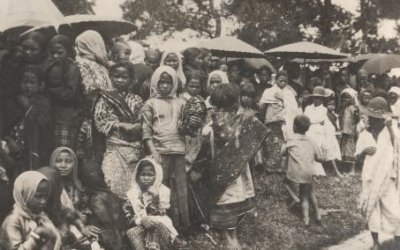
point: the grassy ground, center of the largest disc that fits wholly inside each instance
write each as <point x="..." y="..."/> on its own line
<point x="274" y="226"/>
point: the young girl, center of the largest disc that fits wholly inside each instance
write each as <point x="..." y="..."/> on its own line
<point x="215" y="78"/>
<point x="365" y="96"/>
<point x="163" y="141"/>
<point x="29" y="129"/>
<point x="64" y="89"/>
<point x="28" y="227"/>
<point x="302" y="152"/>
<point x="174" y="60"/>
<point x="146" y="206"/>
<point x="34" y="46"/>
<point x="348" y="119"/>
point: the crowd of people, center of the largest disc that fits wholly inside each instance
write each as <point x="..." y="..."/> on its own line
<point x="106" y="145"/>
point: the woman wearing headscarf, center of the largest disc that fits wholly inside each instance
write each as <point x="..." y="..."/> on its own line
<point x="215" y="78"/>
<point x="28" y="226"/>
<point x="173" y="59"/>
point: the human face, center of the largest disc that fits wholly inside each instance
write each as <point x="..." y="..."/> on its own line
<point x="317" y="100"/>
<point x="64" y="163"/>
<point x="215" y="80"/>
<point x="392" y="98"/>
<point x="30" y="84"/>
<point x="282" y="81"/>
<point x="58" y="52"/>
<point x="362" y="77"/>
<point x="264" y="77"/>
<point x="39" y="201"/>
<point x="234" y="73"/>
<point x="207" y="60"/>
<point x="344" y="77"/>
<point x="246" y="101"/>
<point x="198" y="60"/>
<point x="366" y="98"/>
<point x="165" y="84"/>
<point x="194" y="87"/>
<point x="146" y="177"/>
<point x="331" y="105"/>
<point x="152" y="60"/>
<point x="172" y="60"/>
<point x="346" y="100"/>
<point x="32" y="50"/>
<point x="223" y="67"/>
<point x="121" y="52"/>
<point x="120" y="78"/>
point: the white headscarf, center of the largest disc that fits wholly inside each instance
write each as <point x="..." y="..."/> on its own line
<point x="221" y="74"/>
<point x="154" y="91"/>
<point x="353" y="94"/>
<point x="137" y="54"/>
<point x="395" y="107"/>
<point x="179" y="71"/>
<point x="90" y="45"/>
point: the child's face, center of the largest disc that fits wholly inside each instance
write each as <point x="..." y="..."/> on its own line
<point x="194" y="87"/>
<point x="215" y="80"/>
<point x="392" y="98"/>
<point x="58" y="52"/>
<point x="344" y="77"/>
<point x="121" y="52"/>
<point x="64" y="163"/>
<point x="331" y="105"/>
<point x="165" y="84"/>
<point x="346" y="100"/>
<point x="39" y="201"/>
<point x="223" y="67"/>
<point x="146" y="177"/>
<point x="120" y="78"/>
<point x="207" y="60"/>
<point x="366" y="98"/>
<point x="30" y="84"/>
<point x="264" y="76"/>
<point x="32" y="50"/>
<point x="152" y="60"/>
<point x="282" y="81"/>
<point x="317" y="100"/>
<point x="172" y="60"/>
<point x="246" y="101"/>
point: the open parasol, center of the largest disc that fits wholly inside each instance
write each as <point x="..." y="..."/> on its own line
<point x="255" y="63"/>
<point x="228" y="46"/>
<point x="23" y="14"/>
<point x="73" y="25"/>
<point x="305" y="50"/>
<point x="381" y="63"/>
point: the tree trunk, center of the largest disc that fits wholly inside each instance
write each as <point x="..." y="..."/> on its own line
<point x="217" y="17"/>
<point x="326" y="22"/>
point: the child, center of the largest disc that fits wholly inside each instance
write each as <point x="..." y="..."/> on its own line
<point x="365" y="96"/>
<point x="34" y="46"/>
<point x="120" y="51"/>
<point x="164" y="142"/>
<point x="348" y="119"/>
<point x="215" y="78"/>
<point x="174" y="60"/>
<point x="248" y="99"/>
<point x="302" y="152"/>
<point x="146" y="206"/>
<point x="377" y="147"/>
<point x="322" y="131"/>
<point x="29" y="130"/>
<point x="64" y="89"/>
<point x="28" y="227"/>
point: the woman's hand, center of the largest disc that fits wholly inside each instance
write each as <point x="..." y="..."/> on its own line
<point x="369" y="151"/>
<point x="148" y="223"/>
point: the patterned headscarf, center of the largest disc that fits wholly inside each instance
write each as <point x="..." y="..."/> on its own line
<point x="179" y="71"/>
<point x="90" y="45"/>
<point x="154" y="91"/>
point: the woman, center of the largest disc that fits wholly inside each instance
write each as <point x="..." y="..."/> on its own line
<point x="116" y="116"/>
<point x="280" y="107"/>
<point x="378" y="146"/>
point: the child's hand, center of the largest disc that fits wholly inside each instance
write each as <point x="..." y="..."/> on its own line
<point x="369" y="151"/>
<point x="148" y="223"/>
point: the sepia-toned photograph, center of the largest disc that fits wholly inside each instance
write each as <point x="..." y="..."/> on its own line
<point x="199" y="124"/>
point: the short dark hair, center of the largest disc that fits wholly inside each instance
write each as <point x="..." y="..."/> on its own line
<point x="247" y="89"/>
<point x="302" y="124"/>
<point x="225" y="95"/>
<point x="124" y="64"/>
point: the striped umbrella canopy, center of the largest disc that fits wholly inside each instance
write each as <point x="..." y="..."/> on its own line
<point x="229" y="46"/>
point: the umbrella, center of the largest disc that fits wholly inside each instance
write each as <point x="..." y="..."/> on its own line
<point x="73" y="25"/>
<point x="382" y="63"/>
<point x="305" y="50"/>
<point x="228" y="46"/>
<point x="23" y="14"/>
<point x="255" y="63"/>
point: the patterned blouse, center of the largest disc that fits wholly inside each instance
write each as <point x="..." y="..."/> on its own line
<point x="94" y="76"/>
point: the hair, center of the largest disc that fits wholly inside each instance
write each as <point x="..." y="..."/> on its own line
<point x="127" y="65"/>
<point x="225" y="95"/>
<point x="195" y="74"/>
<point x="302" y="123"/>
<point x="38" y="38"/>
<point x="118" y="42"/>
<point x="34" y="69"/>
<point x="66" y="42"/>
<point x="264" y="68"/>
<point x="248" y="89"/>
<point x="190" y="54"/>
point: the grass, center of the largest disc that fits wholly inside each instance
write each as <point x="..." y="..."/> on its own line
<point x="274" y="226"/>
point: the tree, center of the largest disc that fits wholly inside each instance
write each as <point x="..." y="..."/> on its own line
<point x="70" y="7"/>
<point x="161" y="15"/>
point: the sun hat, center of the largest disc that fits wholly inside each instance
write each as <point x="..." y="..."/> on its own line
<point x="377" y="108"/>
<point x="318" y="91"/>
<point x="329" y="93"/>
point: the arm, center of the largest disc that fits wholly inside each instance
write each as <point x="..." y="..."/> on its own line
<point x="147" y="130"/>
<point x="13" y="235"/>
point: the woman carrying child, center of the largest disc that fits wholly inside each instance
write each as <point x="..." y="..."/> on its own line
<point x="116" y="116"/>
<point x="146" y="208"/>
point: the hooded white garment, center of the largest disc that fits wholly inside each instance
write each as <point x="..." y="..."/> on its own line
<point x="224" y="80"/>
<point x="179" y="71"/>
<point x="141" y="200"/>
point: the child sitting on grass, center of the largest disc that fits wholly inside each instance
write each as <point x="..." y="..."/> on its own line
<point x="302" y="152"/>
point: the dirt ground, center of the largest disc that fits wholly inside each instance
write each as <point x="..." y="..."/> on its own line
<point x="274" y="226"/>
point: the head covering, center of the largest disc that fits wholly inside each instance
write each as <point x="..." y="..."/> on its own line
<point x="138" y="54"/>
<point x="318" y="91"/>
<point x="25" y="187"/>
<point x="74" y="175"/>
<point x="65" y="42"/>
<point x="179" y="71"/>
<point x="395" y="90"/>
<point x="154" y="91"/>
<point x="395" y="107"/>
<point x="90" y="45"/>
<point x="377" y="107"/>
<point x="221" y="74"/>
<point x="352" y="93"/>
<point x="329" y="93"/>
